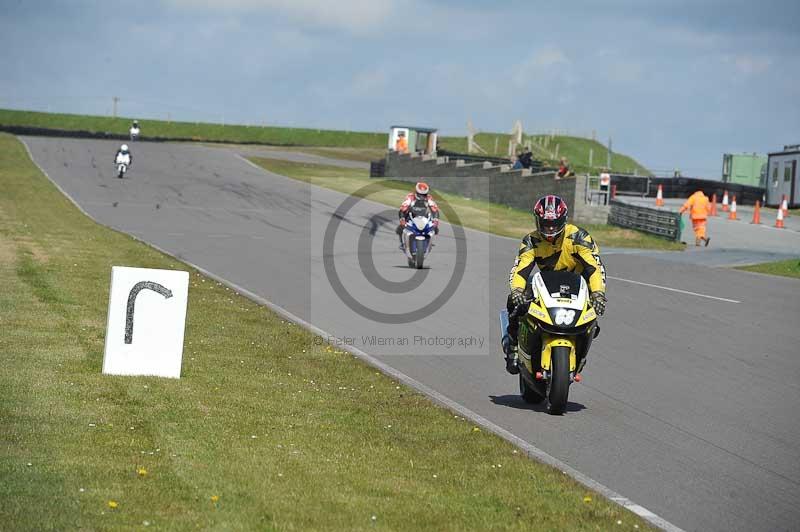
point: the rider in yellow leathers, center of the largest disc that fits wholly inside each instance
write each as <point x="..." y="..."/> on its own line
<point x="554" y="245"/>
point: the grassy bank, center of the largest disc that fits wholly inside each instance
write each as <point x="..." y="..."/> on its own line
<point x="265" y="430"/>
<point x="481" y="215"/>
<point x="281" y="136"/>
<point x="364" y="146"/>
<point x="550" y="149"/>
<point x="785" y="268"/>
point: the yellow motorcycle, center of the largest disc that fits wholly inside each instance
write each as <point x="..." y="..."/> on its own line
<point x="556" y="329"/>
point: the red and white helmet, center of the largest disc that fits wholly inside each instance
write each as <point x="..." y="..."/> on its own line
<point x="422" y="189"/>
<point x="551" y="216"/>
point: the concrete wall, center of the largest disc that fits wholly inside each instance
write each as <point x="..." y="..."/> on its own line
<point x="484" y="181"/>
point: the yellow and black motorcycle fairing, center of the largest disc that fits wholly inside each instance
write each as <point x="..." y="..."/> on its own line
<point x="554" y="337"/>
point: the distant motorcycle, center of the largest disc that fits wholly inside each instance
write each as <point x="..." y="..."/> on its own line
<point x="417" y="234"/>
<point x="556" y="330"/>
<point x="134" y="132"/>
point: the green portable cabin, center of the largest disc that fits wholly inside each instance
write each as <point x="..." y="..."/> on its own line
<point x="744" y="169"/>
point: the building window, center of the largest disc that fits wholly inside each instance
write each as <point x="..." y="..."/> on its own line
<point x="775" y="175"/>
<point x="787" y="173"/>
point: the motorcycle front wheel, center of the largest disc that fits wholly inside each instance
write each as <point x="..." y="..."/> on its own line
<point x="419" y="254"/>
<point x="559" y="380"/>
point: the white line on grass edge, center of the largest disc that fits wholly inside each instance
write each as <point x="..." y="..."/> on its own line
<point x="530" y="450"/>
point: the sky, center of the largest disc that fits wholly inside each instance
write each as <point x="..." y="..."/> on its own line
<point x="675" y="83"/>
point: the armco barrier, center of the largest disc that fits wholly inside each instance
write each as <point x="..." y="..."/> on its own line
<point x="654" y="221"/>
<point x="83" y="134"/>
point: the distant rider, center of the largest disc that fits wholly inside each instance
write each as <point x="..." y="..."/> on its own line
<point x="123" y="156"/>
<point x="134" y="131"/>
<point x="555" y="245"/>
<point x="421" y="193"/>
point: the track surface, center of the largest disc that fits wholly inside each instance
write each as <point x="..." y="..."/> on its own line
<point x="689" y="404"/>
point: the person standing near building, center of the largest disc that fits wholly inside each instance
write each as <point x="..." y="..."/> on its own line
<point x="401" y="145"/>
<point x="698" y="206"/>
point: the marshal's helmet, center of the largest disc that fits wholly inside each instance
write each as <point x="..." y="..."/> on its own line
<point x="551" y="216"/>
<point x="422" y="189"/>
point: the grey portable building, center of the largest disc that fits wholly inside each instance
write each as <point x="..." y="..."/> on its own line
<point x="782" y="178"/>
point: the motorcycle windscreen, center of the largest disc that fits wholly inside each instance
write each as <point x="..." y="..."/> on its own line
<point x="420" y="222"/>
<point x="562" y="284"/>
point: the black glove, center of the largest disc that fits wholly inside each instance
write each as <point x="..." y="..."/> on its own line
<point x="517" y="296"/>
<point x="598" y="302"/>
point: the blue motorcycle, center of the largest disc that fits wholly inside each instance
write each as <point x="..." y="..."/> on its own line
<point x="417" y="234"/>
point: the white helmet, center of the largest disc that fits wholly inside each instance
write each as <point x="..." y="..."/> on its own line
<point x="123" y="148"/>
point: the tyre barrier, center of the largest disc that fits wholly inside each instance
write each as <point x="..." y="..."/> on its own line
<point x="658" y="222"/>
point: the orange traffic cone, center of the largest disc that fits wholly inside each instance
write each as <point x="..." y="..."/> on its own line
<point x="713" y="205"/>
<point x="725" y="201"/>
<point x="732" y="215"/>
<point x="757" y="214"/>
<point x="660" y="197"/>
<point x="779" y="219"/>
<point x="785" y="206"/>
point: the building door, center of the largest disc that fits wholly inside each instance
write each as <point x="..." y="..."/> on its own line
<point x="773" y="194"/>
<point x="786" y="183"/>
<point x="793" y="185"/>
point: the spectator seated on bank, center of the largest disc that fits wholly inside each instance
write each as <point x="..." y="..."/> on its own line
<point x="516" y="164"/>
<point x="526" y="159"/>
<point x="563" y="169"/>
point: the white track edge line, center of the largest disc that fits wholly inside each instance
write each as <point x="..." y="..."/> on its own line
<point x="531" y="450"/>
<point x="674" y="290"/>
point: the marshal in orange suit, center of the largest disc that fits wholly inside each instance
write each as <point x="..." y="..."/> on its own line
<point x="699" y="207"/>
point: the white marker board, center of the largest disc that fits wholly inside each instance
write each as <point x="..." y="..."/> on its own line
<point x="146" y="321"/>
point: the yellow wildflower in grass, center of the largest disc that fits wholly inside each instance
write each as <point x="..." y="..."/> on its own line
<point x="112" y="504"/>
<point x="214" y="498"/>
<point x="587" y="499"/>
<point x="141" y="471"/>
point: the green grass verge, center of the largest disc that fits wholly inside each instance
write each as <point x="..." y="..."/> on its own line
<point x="197" y="130"/>
<point x="785" y="268"/>
<point x="264" y="431"/>
<point x="476" y="214"/>
<point x="551" y="148"/>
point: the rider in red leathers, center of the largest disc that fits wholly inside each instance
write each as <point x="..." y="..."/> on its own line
<point x="421" y="193"/>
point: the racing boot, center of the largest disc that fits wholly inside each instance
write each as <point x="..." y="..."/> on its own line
<point x="510" y="350"/>
<point x="399" y="232"/>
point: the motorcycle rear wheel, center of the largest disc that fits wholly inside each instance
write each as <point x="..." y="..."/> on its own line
<point x="558" y="391"/>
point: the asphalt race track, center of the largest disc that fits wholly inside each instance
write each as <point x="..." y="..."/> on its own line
<point x="690" y="400"/>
